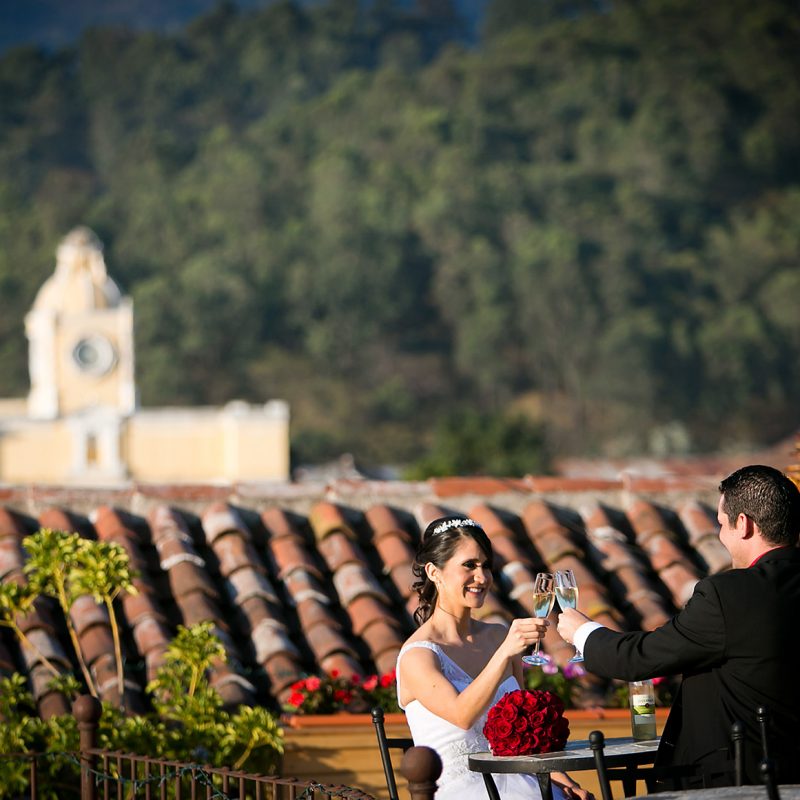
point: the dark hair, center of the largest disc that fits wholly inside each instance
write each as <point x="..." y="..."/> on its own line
<point x="767" y="497"/>
<point x="438" y="543"/>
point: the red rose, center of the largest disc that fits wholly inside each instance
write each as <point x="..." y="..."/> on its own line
<point x="520" y="724"/>
<point x="509" y="712"/>
<point x="523" y="722"/>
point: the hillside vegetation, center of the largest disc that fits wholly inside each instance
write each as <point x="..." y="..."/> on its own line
<point x="579" y="236"/>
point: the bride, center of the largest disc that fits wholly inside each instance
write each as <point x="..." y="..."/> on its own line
<point x="454" y="668"/>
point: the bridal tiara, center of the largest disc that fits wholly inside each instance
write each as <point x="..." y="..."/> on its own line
<point x="463" y="522"/>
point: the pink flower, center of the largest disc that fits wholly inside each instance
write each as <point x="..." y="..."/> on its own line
<point x="370" y="683"/>
<point x="573" y="671"/>
<point x="550" y="667"/>
<point x="313" y="683"/>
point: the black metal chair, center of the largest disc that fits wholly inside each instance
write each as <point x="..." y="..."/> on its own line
<point x="766" y="766"/>
<point x="385" y="744"/>
<point x="671" y="775"/>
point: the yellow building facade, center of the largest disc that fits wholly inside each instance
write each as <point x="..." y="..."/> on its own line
<point x="81" y="423"/>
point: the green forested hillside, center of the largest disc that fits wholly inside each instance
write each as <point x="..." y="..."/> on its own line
<point x="588" y="223"/>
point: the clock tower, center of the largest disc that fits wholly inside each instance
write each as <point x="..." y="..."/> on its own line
<point x="80" y="333"/>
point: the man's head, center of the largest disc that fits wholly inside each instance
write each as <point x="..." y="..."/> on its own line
<point x="763" y="497"/>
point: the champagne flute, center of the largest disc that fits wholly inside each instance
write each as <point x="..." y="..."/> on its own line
<point x="543" y="599"/>
<point x="567" y="594"/>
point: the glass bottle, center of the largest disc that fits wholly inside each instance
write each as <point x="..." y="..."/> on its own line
<point x="643" y="710"/>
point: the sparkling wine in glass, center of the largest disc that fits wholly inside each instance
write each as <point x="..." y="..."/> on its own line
<point x="543" y="599"/>
<point x="567" y="594"/>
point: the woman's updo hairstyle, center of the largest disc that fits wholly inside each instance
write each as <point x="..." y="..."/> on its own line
<point x="438" y="543"/>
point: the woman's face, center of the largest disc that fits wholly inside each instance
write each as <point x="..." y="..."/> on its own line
<point x="465" y="578"/>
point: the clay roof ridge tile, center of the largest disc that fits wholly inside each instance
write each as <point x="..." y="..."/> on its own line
<point x="179" y="558"/>
<point x="220" y="519"/>
<point x="270" y="640"/>
<point x="383" y="521"/>
<point x="328" y="518"/>
<point x="249" y="582"/>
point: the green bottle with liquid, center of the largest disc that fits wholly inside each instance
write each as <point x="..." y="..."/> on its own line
<point x="643" y="710"/>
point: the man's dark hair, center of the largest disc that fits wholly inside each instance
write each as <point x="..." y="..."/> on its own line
<point x="767" y="497"/>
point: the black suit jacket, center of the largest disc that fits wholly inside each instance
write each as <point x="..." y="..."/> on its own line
<point x="736" y="643"/>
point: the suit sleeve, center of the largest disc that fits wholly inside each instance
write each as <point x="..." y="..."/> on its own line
<point x="692" y="640"/>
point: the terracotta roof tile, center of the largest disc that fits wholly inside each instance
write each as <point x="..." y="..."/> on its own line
<point x="12" y="557"/>
<point x="234" y="689"/>
<point x="353" y="580"/>
<point x="366" y="610"/>
<point x="338" y="549"/>
<point x="282" y="672"/>
<point x="341" y="663"/>
<point x="302" y="585"/>
<point x="290" y="553"/>
<point x="311" y="613"/>
<point x="394" y="550"/>
<point x="61" y="519"/>
<point x="222" y="518"/>
<point x="384" y="521"/>
<point x="703" y="533"/>
<point x="325" y="641"/>
<point x="95" y="642"/>
<point x="150" y="634"/>
<point x="279" y="523"/>
<point x="43" y="645"/>
<point x="326" y="519"/>
<point x="248" y="582"/>
<point x="310" y="579"/>
<point x="86" y="612"/>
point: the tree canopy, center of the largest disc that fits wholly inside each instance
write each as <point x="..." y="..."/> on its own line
<point x="589" y="220"/>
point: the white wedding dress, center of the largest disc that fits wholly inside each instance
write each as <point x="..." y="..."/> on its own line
<point x="454" y="744"/>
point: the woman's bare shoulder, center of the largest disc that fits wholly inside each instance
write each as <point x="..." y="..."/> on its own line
<point x="491" y="633"/>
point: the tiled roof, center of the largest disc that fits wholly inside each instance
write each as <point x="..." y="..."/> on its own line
<point x="310" y="578"/>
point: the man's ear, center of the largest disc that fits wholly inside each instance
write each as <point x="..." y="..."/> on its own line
<point x="746" y="525"/>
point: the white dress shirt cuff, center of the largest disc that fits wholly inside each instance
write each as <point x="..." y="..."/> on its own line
<point x="582" y="634"/>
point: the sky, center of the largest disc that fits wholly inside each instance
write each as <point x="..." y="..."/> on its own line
<point x="58" y="23"/>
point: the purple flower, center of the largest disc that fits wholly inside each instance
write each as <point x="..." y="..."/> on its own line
<point x="549" y="668"/>
<point x="573" y="671"/>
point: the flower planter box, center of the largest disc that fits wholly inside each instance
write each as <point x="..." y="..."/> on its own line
<point x="341" y="748"/>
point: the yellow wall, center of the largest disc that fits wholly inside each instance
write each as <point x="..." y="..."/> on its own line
<point x="35" y="453"/>
<point x="235" y="443"/>
<point x="206" y="445"/>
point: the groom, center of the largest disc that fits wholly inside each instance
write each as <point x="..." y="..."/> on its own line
<point x="736" y="641"/>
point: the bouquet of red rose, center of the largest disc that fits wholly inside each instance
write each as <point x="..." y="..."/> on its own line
<point x="522" y="723"/>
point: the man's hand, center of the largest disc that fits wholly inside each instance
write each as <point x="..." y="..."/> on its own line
<point x="568" y="622"/>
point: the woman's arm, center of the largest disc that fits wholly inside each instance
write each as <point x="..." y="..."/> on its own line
<point x="421" y="676"/>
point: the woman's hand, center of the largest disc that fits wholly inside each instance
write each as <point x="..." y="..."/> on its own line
<point x="571" y="790"/>
<point x="522" y="634"/>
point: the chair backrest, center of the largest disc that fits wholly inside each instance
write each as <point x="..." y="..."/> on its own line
<point x="385" y="744"/>
<point x="597" y="741"/>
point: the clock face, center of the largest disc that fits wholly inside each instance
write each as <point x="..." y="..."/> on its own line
<point x="94" y="355"/>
